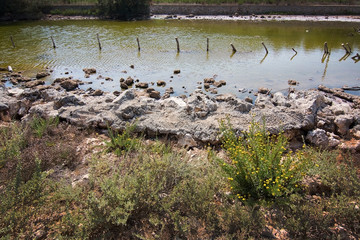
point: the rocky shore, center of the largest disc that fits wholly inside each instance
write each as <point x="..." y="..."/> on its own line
<point x="324" y="117"/>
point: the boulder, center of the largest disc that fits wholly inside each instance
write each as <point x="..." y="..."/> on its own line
<point x="35" y="83"/>
<point x="142" y="85"/>
<point x="263" y="90"/>
<point x="70" y="100"/>
<point x="89" y="71"/>
<point x="343" y="123"/>
<point x="161" y="83"/>
<point x="155" y="94"/>
<point x="97" y="92"/>
<point x="209" y="80"/>
<point x="69" y="85"/>
<point x="129" y="81"/>
<point x="177" y="71"/>
<point x="318" y="137"/>
<point x="42" y="75"/>
<point x="123" y="85"/>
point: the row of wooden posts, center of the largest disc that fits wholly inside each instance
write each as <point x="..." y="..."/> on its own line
<point x="326" y="49"/>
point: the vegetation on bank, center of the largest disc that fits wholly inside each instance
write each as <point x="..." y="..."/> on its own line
<point x="141" y="189"/>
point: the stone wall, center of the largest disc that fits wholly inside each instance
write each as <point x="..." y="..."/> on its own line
<point x="198" y="9"/>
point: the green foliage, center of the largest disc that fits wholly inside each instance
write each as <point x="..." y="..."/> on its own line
<point x="259" y="167"/>
<point x="40" y="125"/>
<point x="125" y="9"/>
<point x="124" y="142"/>
<point x="21" y="201"/>
<point x="12" y="141"/>
<point x="75" y="12"/>
<point x="23" y="9"/>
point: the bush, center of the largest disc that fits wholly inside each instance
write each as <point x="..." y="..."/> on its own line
<point x="125" y="9"/>
<point x="259" y="167"/>
<point x="124" y="142"/>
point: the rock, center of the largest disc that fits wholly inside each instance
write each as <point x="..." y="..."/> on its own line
<point x="219" y="83"/>
<point x="129" y="81"/>
<point x="97" y="92"/>
<point x="3" y="107"/>
<point x="116" y="93"/>
<point x="155" y="94"/>
<point x="263" y="101"/>
<point x="70" y="100"/>
<point x="176" y="71"/>
<point x="35" y="83"/>
<point x="69" y="85"/>
<point x="206" y="85"/>
<point x="123" y="85"/>
<point x="314" y="186"/>
<point x="89" y="71"/>
<point x="170" y="90"/>
<point x="263" y="90"/>
<point x="125" y="96"/>
<point x="142" y="85"/>
<point x="213" y="91"/>
<point x="186" y="141"/>
<point x="318" y="137"/>
<point x="109" y="79"/>
<point x="280" y="100"/>
<point x="249" y="100"/>
<point x="343" y="123"/>
<point x="87" y="75"/>
<point x="209" y="80"/>
<point x="161" y="83"/>
<point x="132" y="66"/>
<point x="351" y="146"/>
<point x="42" y="75"/>
<point x="339" y="109"/>
<point x="292" y="82"/>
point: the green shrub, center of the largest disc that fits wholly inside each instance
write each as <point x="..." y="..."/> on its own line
<point x="40" y="125"/>
<point x="259" y="167"/>
<point x="124" y="142"/>
<point x="12" y="141"/>
<point x="125" y="9"/>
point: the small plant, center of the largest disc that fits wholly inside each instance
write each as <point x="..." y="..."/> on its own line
<point x="12" y="141"/>
<point x="259" y="167"/>
<point x="123" y="143"/>
<point x="40" y="125"/>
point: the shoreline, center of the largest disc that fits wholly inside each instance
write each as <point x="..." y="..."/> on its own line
<point x="275" y="17"/>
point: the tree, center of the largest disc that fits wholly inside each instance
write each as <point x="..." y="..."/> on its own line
<point x="125" y="9"/>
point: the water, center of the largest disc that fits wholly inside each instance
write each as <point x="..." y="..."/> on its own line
<point x="247" y="69"/>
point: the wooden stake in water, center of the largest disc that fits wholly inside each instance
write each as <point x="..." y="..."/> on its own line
<point x="53" y="42"/>
<point x="207" y="44"/>
<point x="97" y="35"/>
<point x="347" y="44"/>
<point x="177" y="44"/>
<point x="326" y="49"/>
<point x="294" y="50"/>
<point x="347" y="51"/>
<point x="233" y="48"/>
<point x="138" y="43"/>
<point x="12" y="41"/>
<point x="265" y="47"/>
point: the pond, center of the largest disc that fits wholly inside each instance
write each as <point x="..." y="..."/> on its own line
<point x="249" y="68"/>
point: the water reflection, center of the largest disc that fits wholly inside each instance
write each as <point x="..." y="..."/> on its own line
<point x="78" y="46"/>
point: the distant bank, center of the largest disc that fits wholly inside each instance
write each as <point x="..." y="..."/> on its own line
<point x="232" y="9"/>
<point x="246" y="9"/>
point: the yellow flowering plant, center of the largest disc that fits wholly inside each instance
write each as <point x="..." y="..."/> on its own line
<point x="260" y="166"/>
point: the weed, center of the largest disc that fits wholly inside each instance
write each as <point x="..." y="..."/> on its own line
<point x="123" y="143"/>
<point x="40" y="125"/>
<point x="259" y="167"/>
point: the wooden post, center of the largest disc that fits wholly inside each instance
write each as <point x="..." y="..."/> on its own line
<point x="207" y="44"/>
<point x="294" y="50"/>
<point x="347" y="51"/>
<point x="10" y="69"/>
<point x="347" y="44"/>
<point x="233" y="48"/>
<point x="326" y="49"/>
<point x="53" y="42"/>
<point x="138" y="43"/>
<point x="97" y="35"/>
<point x="12" y="41"/>
<point x="177" y="44"/>
<point x="265" y="47"/>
